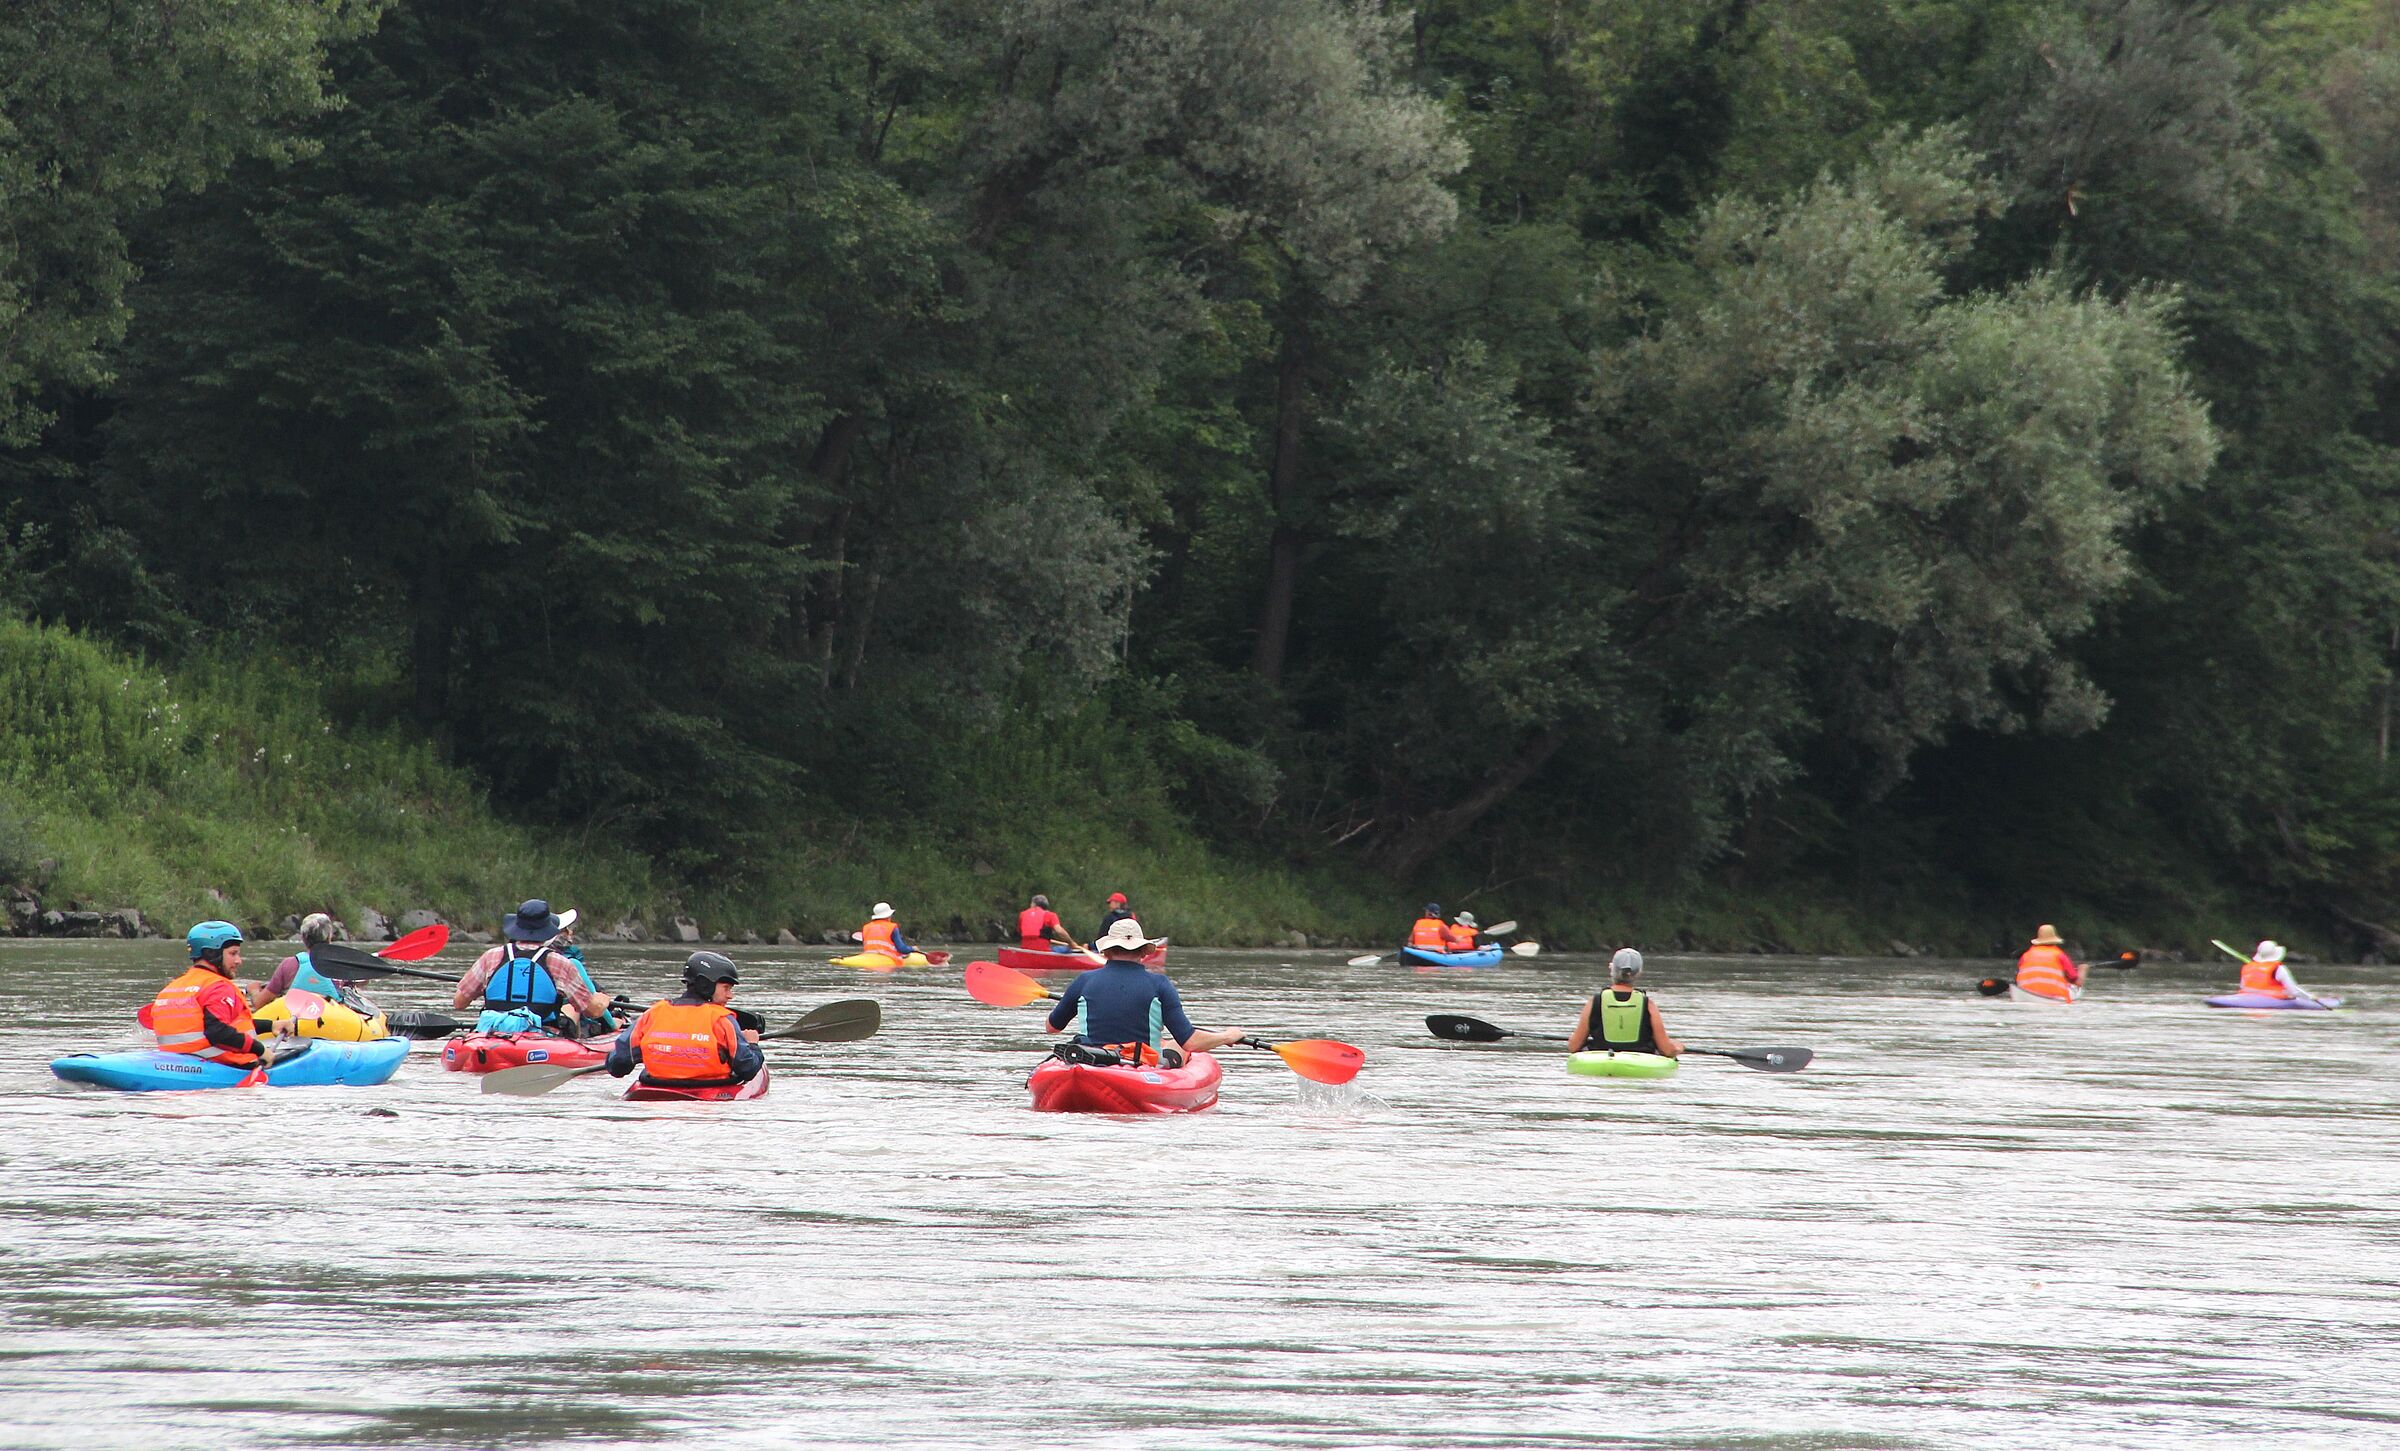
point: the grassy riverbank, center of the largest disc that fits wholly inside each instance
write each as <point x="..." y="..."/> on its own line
<point x="125" y="785"/>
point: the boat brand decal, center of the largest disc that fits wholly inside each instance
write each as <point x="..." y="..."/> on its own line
<point x="1152" y="1078"/>
<point x="538" y="1055"/>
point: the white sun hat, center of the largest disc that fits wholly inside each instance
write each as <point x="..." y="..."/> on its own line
<point x="882" y="911"/>
<point x="1126" y="936"/>
<point x="2269" y="951"/>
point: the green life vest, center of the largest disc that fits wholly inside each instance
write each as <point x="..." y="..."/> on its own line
<point x="1623" y="1025"/>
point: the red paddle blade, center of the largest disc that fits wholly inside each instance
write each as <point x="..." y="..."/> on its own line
<point x="1321" y="1060"/>
<point x="422" y="943"/>
<point x="937" y="959"/>
<point x="1002" y="987"/>
<point x="304" y="1004"/>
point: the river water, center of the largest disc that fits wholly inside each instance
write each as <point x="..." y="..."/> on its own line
<point x="2132" y="1223"/>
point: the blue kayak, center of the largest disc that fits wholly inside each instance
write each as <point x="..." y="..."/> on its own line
<point x="1487" y="955"/>
<point x="316" y="1061"/>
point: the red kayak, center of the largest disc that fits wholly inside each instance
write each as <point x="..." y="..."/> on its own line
<point x="484" y="1052"/>
<point x="641" y="1090"/>
<point x="1033" y="959"/>
<point x="1060" y="1087"/>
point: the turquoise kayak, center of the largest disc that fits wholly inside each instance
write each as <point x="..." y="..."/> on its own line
<point x="316" y="1061"/>
<point x="1485" y="956"/>
<point x="1621" y="1065"/>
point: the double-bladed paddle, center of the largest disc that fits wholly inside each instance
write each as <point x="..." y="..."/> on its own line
<point x="340" y="960"/>
<point x="846" y="1021"/>
<point x="1475" y="1030"/>
<point x="1322" y="1060"/>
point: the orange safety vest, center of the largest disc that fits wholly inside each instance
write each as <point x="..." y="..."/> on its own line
<point x="1461" y="939"/>
<point x="686" y="1042"/>
<point x="2259" y="977"/>
<point x="877" y="936"/>
<point x="178" y="1018"/>
<point x="2042" y="971"/>
<point x="1033" y="926"/>
<point x="1429" y="933"/>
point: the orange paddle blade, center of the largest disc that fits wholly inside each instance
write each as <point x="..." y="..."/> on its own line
<point x="422" y="943"/>
<point x="1320" y="1060"/>
<point x="1003" y="987"/>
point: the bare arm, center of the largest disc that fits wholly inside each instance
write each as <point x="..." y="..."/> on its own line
<point x="1658" y="1032"/>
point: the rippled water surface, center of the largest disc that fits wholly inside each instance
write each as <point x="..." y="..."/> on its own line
<point x="2135" y="1222"/>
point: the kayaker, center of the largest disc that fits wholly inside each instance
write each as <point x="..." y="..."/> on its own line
<point x="1429" y="932"/>
<point x="693" y="1039"/>
<point x="1124" y="1006"/>
<point x="2267" y="975"/>
<point x="1038" y="929"/>
<point x="2044" y="968"/>
<point x="297" y="971"/>
<point x="1116" y="912"/>
<point x="1623" y="1019"/>
<point x="203" y="1012"/>
<point x="526" y="984"/>
<point x="1460" y="935"/>
<point x="882" y="935"/>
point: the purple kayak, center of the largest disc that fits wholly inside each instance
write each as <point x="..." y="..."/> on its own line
<point x="2269" y="1000"/>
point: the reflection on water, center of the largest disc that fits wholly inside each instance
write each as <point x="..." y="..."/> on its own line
<point x="2137" y="1222"/>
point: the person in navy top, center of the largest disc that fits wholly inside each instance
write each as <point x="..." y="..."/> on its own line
<point x="1124" y="1005"/>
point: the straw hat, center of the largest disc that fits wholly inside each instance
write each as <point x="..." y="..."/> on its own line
<point x="2048" y="937"/>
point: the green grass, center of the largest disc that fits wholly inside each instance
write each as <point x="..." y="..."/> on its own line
<point x="122" y="784"/>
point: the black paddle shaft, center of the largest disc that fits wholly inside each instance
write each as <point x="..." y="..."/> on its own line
<point x="1461" y="1029"/>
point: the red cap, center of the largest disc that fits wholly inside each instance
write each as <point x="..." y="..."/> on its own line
<point x="1116" y="899"/>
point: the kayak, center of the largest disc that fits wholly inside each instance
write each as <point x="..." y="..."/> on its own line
<point x="484" y="1052"/>
<point x="2019" y="995"/>
<point x="1621" y="1065"/>
<point x="642" y="1090"/>
<point x="1061" y="1087"/>
<point x="2269" y="1000"/>
<point x="315" y="1061"/>
<point x="877" y="962"/>
<point x="337" y="1022"/>
<point x="1034" y="959"/>
<point x="1488" y="955"/>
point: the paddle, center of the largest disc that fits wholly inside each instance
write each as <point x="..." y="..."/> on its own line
<point x="422" y="943"/>
<point x="1460" y="1029"/>
<point x="339" y="960"/>
<point x="846" y="1021"/>
<point x="1320" y="1059"/>
<point x="1475" y="1030"/>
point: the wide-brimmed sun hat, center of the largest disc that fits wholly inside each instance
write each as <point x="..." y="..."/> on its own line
<point x="2268" y="951"/>
<point x="1467" y="919"/>
<point x="532" y="922"/>
<point x="882" y="911"/>
<point x="2048" y="937"/>
<point x="1125" y="935"/>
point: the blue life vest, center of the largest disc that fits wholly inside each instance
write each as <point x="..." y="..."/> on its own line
<point x="309" y="980"/>
<point x="521" y="982"/>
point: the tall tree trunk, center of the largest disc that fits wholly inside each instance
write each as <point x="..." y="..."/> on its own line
<point x="820" y="612"/>
<point x="1283" y="487"/>
<point x="429" y="643"/>
<point x="1410" y="848"/>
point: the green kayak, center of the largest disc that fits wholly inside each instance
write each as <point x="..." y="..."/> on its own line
<point x="1621" y="1065"/>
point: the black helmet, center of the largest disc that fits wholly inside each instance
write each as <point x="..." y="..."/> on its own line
<point x="702" y="971"/>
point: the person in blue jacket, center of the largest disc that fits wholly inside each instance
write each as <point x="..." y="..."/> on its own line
<point x="1125" y="1007"/>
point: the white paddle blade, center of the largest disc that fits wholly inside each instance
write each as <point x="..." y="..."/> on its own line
<point x="566" y="919"/>
<point x="1527" y="949"/>
<point x="1364" y="961"/>
<point x="1501" y="929"/>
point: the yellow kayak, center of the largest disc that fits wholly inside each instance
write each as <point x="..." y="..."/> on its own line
<point x="877" y="962"/>
<point x="333" y="1021"/>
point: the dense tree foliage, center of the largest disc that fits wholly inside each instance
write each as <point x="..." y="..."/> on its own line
<point x="1859" y="442"/>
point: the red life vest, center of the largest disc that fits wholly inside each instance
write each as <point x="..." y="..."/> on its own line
<point x="1429" y="933"/>
<point x="2259" y="977"/>
<point x="877" y="938"/>
<point x="682" y="1042"/>
<point x="2042" y="971"/>
<point x="1460" y="939"/>
<point x="1033" y="928"/>
<point x="177" y="1015"/>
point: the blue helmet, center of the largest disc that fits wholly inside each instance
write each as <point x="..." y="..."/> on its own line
<point x="209" y="937"/>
